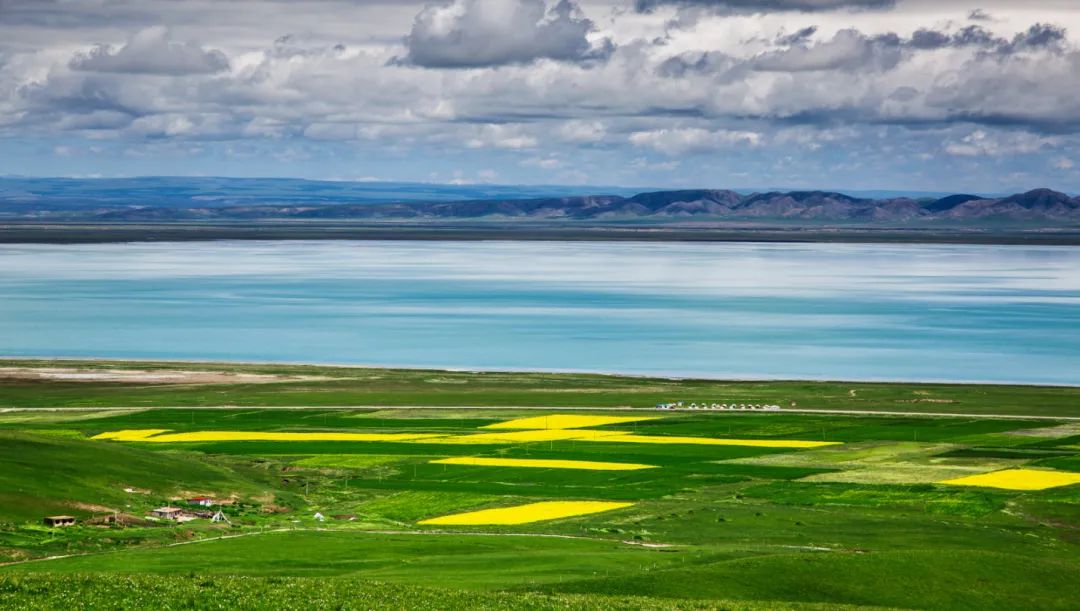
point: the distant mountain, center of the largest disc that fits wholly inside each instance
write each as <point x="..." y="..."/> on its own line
<point x="167" y="200"/>
<point x="39" y="194"/>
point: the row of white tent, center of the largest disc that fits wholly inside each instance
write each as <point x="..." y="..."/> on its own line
<point x="720" y="406"/>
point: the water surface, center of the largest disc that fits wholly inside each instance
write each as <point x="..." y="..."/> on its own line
<point x="910" y="312"/>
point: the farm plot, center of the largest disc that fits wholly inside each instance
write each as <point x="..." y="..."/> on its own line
<point x="540" y="463"/>
<point x="526" y="514"/>
<point x="1019" y="479"/>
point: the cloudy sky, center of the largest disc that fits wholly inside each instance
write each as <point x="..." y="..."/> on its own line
<point x="944" y="95"/>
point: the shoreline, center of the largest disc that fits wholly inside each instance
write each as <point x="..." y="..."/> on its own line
<point x="43" y="232"/>
<point x="669" y="377"/>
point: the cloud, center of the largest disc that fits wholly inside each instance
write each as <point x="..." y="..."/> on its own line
<point x="783" y="102"/>
<point x="1063" y="163"/>
<point x="486" y="33"/>
<point x="152" y="51"/>
<point x="546" y="163"/>
<point x="770" y="6"/>
<point x="797" y="37"/>
<point x="501" y="137"/>
<point x="1037" y="37"/>
<point x="982" y="144"/>
<point x="692" y="140"/>
<point x="847" y="50"/>
<point x="582" y="132"/>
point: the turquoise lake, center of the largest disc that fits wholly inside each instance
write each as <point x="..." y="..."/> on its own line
<point x="723" y="310"/>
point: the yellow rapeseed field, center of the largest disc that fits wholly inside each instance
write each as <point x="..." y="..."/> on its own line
<point x="262" y="436"/>
<point x="1018" y="479"/>
<point x="526" y="436"/>
<point x="711" y="441"/>
<point x="525" y="514"/>
<point x="565" y="421"/>
<point x="480" y="461"/>
<point x="131" y="434"/>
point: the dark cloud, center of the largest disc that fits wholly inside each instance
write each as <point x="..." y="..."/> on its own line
<point x="980" y="15"/>
<point x="930" y="39"/>
<point x="712" y="62"/>
<point x="1038" y="37"/>
<point x="797" y="37"/>
<point x="152" y="51"/>
<point x="769" y="6"/>
<point x="485" y="33"/>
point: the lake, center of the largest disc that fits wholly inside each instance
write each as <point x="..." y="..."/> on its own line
<point x="718" y="310"/>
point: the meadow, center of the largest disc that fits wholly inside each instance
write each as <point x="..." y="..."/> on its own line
<point x="439" y="503"/>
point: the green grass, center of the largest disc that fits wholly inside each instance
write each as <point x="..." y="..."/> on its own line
<point x="934" y="499"/>
<point x="47" y="592"/>
<point x="861" y="523"/>
<point x="926" y="579"/>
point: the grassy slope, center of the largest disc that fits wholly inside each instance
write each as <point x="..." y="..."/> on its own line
<point x="169" y="592"/>
<point x="44" y="474"/>
<point x="937" y="579"/>
<point x="353" y="386"/>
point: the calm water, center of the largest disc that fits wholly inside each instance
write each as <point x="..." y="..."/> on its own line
<point x="717" y="310"/>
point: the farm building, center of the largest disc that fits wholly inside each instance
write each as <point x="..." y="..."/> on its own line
<point x="167" y="513"/>
<point x="201" y="501"/>
<point x="57" y="521"/>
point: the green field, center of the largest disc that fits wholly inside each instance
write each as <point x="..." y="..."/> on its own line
<point x="350" y="386"/>
<point x="863" y="522"/>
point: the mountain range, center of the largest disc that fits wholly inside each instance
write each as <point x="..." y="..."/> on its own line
<point x="262" y="199"/>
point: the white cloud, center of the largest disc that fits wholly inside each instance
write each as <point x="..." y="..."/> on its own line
<point x="582" y="131"/>
<point x="501" y="136"/>
<point x="152" y="51"/>
<point x="692" y="140"/>
<point x="981" y="143"/>
<point x="545" y="163"/>
<point x="480" y="33"/>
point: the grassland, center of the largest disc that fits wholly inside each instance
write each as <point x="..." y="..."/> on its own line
<point x="396" y="387"/>
<point x="866" y="520"/>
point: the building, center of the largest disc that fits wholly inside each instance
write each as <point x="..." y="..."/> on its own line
<point x="167" y="513"/>
<point x="58" y="521"/>
<point x="201" y="501"/>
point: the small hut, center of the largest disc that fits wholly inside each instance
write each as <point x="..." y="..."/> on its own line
<point x="59" y="521"/>
<point x="167" y="513"/>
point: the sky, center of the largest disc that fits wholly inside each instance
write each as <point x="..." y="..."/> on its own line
<point x="936" y="95"/>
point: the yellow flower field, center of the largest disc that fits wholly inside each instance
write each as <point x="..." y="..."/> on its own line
<point x="527" y="436"/>
<point x="152" y="437"/>
<point x="526" y="514"/>
<point x="712" y="441"/>
<point x="565" y="421"/>
<point x="480" y="461"/>
<point x="1018" y="479"/>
